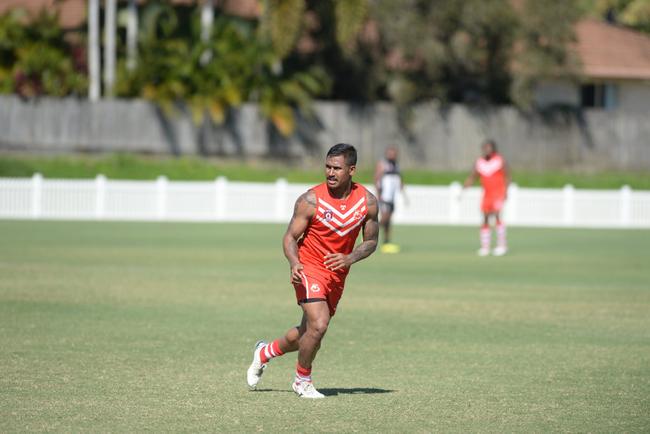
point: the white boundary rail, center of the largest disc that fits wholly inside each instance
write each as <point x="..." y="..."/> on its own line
<point x="222" y="200"/>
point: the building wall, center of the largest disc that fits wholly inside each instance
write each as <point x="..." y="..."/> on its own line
<point x="634" y="96"/>
<point x="556" y="92"/>
<point x="430" y="136"/>
<point x="631" y="95"/>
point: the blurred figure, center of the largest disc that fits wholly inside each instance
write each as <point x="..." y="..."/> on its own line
<point x="491" y="168"/>
<point x="388" y="180"/>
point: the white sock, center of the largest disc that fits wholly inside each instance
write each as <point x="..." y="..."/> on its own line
<point x="501" y="235"/>
<point x="486" y="237"/>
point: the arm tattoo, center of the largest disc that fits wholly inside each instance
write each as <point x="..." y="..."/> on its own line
<point x="370" y="232"/>
<point x="371" y="200"/>
<point x="308" y="197"/>
<point x="291" y="237"/>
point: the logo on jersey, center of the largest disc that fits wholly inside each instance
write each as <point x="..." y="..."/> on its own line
<point x="341" y="222"/>
<point x="343" y="207"/>
<point x="315" y="288"/>
<point x="489" y="167"/>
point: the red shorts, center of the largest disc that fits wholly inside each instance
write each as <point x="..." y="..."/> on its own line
<point x="315" y="287"/>
<point x="492" y="203"/>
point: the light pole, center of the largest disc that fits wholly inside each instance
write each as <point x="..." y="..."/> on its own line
<point x="110" y="10"/>
<point x="132" y="35"/>
<point x="94" y="91"/>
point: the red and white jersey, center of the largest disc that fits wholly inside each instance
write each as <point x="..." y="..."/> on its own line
<point x="333" y="228"/>
<point x="492" y="173"/>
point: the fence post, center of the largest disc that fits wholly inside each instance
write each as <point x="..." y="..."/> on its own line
<point x="626" y="206"/>
<point x="280" y="198"/>
<point x="37" y="194"/>
<point x="512" y="204"/>
<point x="100" y="196"/>
<point x="220" y="190"/>
<point x="455" y="190"/>
<point x="161" y="188"/>
<point x="568" y="215"/>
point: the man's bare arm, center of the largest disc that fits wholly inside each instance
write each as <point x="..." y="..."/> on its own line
<point x="379" y="172"/>
<point x="370" y="231"/>
<point x="471" y="179"/>
<point x="336" y="261"/>
<point x="303" y="211"/>
<point x="506" y="173"/>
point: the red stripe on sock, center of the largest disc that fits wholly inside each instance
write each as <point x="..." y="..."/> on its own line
<point x="303" y="372"/>
<point x="275" y="345"/>
<point x="273" y="349"/>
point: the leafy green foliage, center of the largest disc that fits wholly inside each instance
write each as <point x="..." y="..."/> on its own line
<point x="35" y="58"/>
<point x="235" y="65"/>
<point x="632" y="13"/>
<point x="474" y="50"/>
<point x="545" y="33"/>
<point x="282" y="23"/>
<point x="350" y="18"/>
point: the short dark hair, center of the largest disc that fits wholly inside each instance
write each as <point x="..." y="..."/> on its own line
<point x="346" y="150"/>
<point x="492" y="143"/>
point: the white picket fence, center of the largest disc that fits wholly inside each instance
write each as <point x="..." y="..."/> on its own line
<point x="222" y="200"/>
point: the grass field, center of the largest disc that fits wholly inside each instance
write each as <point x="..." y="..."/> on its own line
<point x="131" y="327"/>
<point x="132" y="166"/>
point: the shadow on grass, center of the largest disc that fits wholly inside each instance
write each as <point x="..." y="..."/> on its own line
<point x="338" y="391"/>
<point x="353" y="391"/>
<point x="272" y="390"/>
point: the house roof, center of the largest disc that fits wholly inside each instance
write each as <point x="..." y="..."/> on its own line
<point x="611" y="52"/>
<point x="72" y="13"/>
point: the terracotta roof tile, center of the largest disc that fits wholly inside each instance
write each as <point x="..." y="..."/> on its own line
<point x="609" y="51"/>
<point x="73" y="12"/>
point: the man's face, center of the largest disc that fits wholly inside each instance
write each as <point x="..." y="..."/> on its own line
<point x="391" y="154"/>
<point x="487" y="149"/>
<point x="337" y="173"/>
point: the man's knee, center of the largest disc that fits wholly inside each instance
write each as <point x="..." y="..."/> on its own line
<point x="293" y="336"/>
<point x="318" y="327"/>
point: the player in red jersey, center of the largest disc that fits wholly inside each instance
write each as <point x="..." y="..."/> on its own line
<point x="319" y="245"/>
<point x="491" y="168"/>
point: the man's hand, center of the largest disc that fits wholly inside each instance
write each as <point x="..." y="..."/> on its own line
<point x="337" y="261"/>
<point x="296" y="273"/>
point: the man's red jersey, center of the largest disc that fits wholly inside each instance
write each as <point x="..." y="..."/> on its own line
<point x="333" y="228"/>
<point x="493" y="179"/>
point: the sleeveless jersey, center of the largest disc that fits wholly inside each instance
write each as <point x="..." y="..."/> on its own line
<point x="333" y="228"/>
<point x="492" y="173"/>
<point x="390" y="181"/>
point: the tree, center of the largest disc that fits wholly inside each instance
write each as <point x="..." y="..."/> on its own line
<point x="451" y="50"/>
<point x="632" y="13"/>
<point x="35" y="59"/>
<point x="546" y="33"/>
<point x="484" y="51"/>
<point x="242" y="66"/>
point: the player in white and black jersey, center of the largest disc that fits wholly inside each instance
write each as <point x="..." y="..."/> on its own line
<point x="388" y="181"/>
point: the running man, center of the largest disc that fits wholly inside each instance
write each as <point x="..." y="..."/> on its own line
<point x="319" y="245"/>
<point x="494" y="174"/>
<point x="388" y="180"/>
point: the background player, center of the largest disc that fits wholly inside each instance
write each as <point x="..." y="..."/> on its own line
<point x="494" y="174"/>
<point x="388" y="180"/>
<point x="319" y="245"/>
